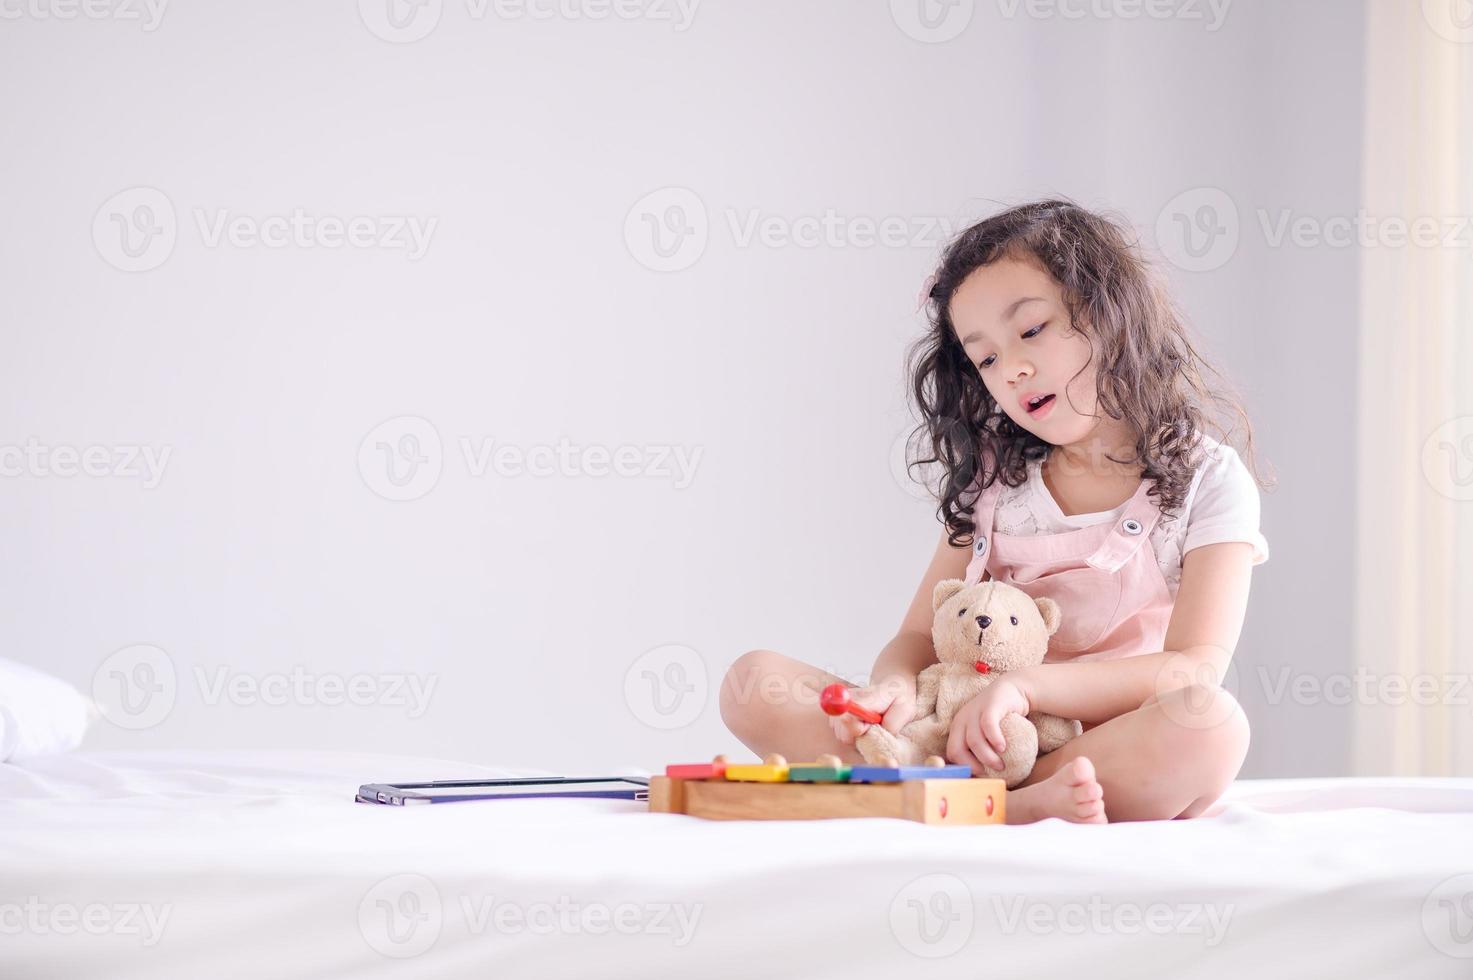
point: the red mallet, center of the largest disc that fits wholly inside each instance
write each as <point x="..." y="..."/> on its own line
<point x="834" y="700"/>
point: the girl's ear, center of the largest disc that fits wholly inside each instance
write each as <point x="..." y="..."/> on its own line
<point x="1049" y="610"/>
<point x="945" y="589"/>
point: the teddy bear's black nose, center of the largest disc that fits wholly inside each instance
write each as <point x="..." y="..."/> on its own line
<point x="984" y="621"/>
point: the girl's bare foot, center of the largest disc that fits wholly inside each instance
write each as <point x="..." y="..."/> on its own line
<point x="1072" y="794"/>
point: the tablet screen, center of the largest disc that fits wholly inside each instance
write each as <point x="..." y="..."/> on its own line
<point x="534" y="787"/>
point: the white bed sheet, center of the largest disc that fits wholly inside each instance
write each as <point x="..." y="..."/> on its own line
<point x="204" y="864"/>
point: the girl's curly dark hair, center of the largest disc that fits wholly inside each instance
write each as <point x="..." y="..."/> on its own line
<point x="1148" y="371"/>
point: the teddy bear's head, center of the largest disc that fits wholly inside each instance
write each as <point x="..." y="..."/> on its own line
<point x="991" y="625"/>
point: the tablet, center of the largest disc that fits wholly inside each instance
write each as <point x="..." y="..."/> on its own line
<point x="526" y="787"/>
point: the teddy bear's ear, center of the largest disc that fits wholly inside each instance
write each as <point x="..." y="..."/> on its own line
<point x="1049" y="610"/>
<point x="945" y="589"/>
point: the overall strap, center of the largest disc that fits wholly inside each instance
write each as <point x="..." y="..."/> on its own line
<point x="1130" y="530"/>
<point x="982" y="513"/>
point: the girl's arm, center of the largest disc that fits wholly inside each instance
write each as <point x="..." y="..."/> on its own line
<point x="912" y="650"/>
<point x="892" y="689"/>
<point x="1206" y="621"/>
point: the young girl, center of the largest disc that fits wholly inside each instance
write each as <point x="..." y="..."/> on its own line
<point x="1066" y="410"/>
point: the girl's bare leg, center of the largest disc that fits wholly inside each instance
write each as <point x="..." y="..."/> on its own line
<point x="1170" y="758"/>
<point x="770" y="703"/>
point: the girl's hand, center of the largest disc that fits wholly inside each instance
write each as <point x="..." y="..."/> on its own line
<point x="976" y="729"/>
<point x="894" y="698"/>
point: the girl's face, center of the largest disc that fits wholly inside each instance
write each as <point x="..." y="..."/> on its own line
<point x="1011" y="320"/>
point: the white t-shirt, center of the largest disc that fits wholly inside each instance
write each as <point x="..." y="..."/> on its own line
<point x="1221" y="505"/>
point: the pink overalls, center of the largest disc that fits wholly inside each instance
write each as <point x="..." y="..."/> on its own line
<point x="1114" y="599"/>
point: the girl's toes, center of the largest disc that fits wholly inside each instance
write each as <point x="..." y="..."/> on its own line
<point x="1080" y="771"/>
<point x="1088" y="793"/>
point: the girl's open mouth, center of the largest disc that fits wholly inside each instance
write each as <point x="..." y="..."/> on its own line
<point x="1041" y="408"/>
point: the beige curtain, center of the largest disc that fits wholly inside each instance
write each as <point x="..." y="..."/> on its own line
<point x="1412" y="691"/>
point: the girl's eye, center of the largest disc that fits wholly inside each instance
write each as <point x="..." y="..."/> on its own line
<point x="1029" y="335"/>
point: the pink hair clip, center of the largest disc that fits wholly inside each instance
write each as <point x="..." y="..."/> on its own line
<point x="925" y="292"/>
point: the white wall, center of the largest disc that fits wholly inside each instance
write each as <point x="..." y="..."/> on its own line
<point x="539" y="607"/>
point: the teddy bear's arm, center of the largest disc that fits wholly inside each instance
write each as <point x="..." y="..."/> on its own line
<point x="927" y="686"/>
<point x="1053" y="731"/>
<point x="957" y="688"/>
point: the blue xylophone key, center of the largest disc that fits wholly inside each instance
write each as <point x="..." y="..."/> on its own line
<point x="900" y="774"/>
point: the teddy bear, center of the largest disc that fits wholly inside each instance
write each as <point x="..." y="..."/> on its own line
<point x="980" y="632"/>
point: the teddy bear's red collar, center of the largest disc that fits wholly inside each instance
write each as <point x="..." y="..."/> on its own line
<point x="982" y="666"/>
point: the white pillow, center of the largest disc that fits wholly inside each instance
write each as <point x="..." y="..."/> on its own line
<point x="39" y="714"/>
